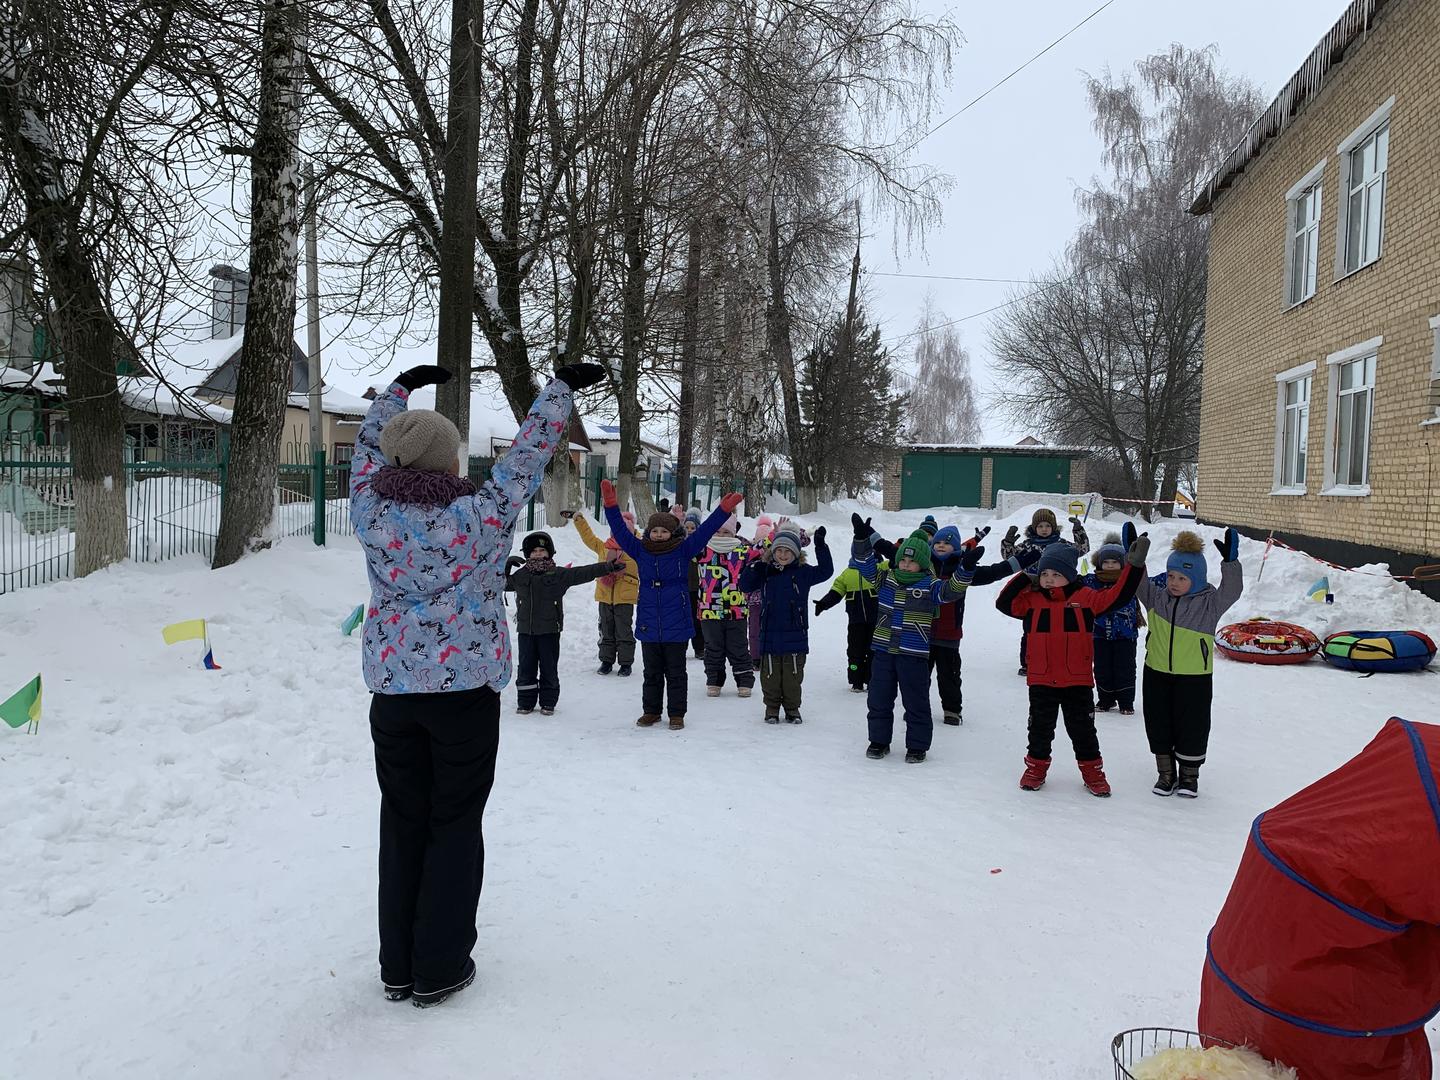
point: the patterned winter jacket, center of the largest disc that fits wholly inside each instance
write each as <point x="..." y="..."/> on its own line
<point x="664" y="611"/>
<point x="906" y="612"/>
<point x="785" y="608"/>
<point x="1040" y="543"/>
<point x="621" y="588"/>
<point x="721" y="597"/>
<point x="1118" y="624"/>
<point x="436" y="618"/>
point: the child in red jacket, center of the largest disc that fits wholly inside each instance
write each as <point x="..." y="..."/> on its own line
<point x="1059" y="613"/>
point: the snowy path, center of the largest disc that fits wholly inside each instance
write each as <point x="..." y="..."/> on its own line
<point x="187" y="863"/>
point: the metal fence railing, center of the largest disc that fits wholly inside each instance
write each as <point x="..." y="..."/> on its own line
<point x="172" y="509"/>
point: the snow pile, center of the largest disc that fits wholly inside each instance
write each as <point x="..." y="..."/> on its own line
<point x="189" y="855"/>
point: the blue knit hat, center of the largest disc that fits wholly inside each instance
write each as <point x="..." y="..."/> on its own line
<point x="931" y="526"/>
<point x="692" y="515"/>
<point x="1063" y="558"/>
<point x="948" y="535"/>
<point x="1188" y="558"/>
<point x="1112" y="548"/>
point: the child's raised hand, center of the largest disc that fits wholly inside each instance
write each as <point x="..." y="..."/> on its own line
<point x="1229" y="547"/>
<point x="1011" y="534"/>
<point x="1027" y="558"/>
<point x="607" y="493"/>
<point x="1127" y="535"/>
<point x="820" y="535"/>
<point x="731" y="501"/>
<point x="863" y="529"/>
<point x="1139" y="548"/>
<point x="567" y="514"/>
<point x="972" y="556"/>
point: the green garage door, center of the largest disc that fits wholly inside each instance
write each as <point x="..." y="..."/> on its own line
<point x="1025" y="473"/>
<point x="939" y="480"/>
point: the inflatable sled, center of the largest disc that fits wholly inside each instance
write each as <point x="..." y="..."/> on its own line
<point x="1378" y="650"/>
<point x="1265" y="641"/>
<point x="1326" y="954"/>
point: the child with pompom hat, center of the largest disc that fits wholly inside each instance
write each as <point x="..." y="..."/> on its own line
<point x="1180" y="655"/>
<point x="1117" y="634"/>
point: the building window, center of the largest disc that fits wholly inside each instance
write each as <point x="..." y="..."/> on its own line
<point x="1292" y="430"/>
<point x="1302" y="237"/>
<point x="186" y="442"/>
<point x="344" y="453"/>
<point x="1364" y="162"/>
<point x="1347" y="434"/>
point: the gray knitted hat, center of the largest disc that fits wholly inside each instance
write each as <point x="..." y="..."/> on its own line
<point x="421" y="439"/>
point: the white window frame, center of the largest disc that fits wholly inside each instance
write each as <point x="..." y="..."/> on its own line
<point x="1373" y="123"/>
<point x="1282" y="380"/>
<point x="1435" y="348"/>
<point x="1313" y="179"/>
<point x="1360" y="351"/>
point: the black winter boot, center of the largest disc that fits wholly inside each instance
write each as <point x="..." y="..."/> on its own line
<point x="1189" y="783"/>
<point x="1165" y="782"/>
<point x="914" y="757"/>
<point x="425" y="999"/>
<point x="877" y="751"/>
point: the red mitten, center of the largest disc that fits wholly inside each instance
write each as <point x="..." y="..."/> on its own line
<point x="607" y="493"/>
<point x="731" y="501"/>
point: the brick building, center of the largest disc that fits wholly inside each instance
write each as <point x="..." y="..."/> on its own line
<point x="1321" y="408"/>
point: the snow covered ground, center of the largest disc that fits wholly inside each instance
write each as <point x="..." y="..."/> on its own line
<point x="187" y="863"/>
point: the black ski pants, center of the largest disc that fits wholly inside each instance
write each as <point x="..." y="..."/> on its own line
<point x="537" y="670"/>
<point x="945" y="663"/>
<point x="857" y="652"/>
<point x="435" y="761"/>
<point x="727" y="639"/>
<point x="1115" y="672"/>
<point x="664" y="676"/>
<point x="1177" y="714"/>
<point x="617" y="634"/>
<point x="1047" y="703"/>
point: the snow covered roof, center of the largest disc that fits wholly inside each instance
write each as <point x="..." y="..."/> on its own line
<point x="611" y="433"/>
<point x="153" y="396"/>
<point x="333" y="400"/>
<point x="997" y="448"/>
<point x="44" y="379"/>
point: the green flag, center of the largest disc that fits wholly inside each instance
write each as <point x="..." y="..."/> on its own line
<point x="354" y="619"/>
<point x="23" y="707"/>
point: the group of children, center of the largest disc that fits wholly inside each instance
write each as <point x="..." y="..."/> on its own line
<point x="745" y="604"/>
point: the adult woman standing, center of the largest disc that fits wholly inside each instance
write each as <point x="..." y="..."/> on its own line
<point x="436" y="656"/>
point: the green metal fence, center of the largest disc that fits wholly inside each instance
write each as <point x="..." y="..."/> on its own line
<point x="172" y="509"/>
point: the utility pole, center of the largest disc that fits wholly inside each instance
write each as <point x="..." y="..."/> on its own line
<point x="312" y="346"/>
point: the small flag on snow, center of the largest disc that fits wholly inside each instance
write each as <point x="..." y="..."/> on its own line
<point x="1320" y="589"/>
<point x="192" y="630"/>
<point x="23" y="707"/>
<point x="354" y="619"/>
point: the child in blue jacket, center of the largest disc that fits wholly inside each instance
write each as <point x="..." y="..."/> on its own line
<point x="784" y="579"/>
<point x="1116" y="634"/>
<point x="664" y="610"/>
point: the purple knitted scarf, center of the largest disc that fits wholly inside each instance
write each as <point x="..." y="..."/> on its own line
<point x="420" y="487"/>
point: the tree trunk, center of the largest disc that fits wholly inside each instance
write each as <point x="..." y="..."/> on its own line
<point x="632" y="296"/>
<point x="1170" y="474"/>
<point x="263" y="381"/>
<point x="777" y="340"/>
<point x="455" y="326"/>
<point x="685" y="440"/>
<point x="84" y="330"/>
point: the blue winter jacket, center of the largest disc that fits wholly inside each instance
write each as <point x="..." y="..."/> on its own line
<point x="665" y="608"/>
<point x="1118" y="624"/>
<point x="785" y="607"/>
<point x="436" y="618"/>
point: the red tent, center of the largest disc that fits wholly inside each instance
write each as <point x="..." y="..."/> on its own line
<point x="1326" y="955"/>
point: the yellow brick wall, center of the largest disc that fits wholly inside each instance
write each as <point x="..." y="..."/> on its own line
<point x="1251" y="336"/>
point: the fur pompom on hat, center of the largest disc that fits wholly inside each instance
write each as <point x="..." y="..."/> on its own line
<point x="421" y="439"/>
<point x="764" y="528"/>
<point x="1188" y="557"/>
<point x="1043" y="514"/>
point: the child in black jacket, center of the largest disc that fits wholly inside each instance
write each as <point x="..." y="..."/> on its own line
<point x="539" y="587"/>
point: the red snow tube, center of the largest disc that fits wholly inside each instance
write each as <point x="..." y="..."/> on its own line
<point x="1265" y="641"/>
<point x="1326" y="955"/>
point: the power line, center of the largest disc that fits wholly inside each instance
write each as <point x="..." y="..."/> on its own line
<point x="953" y="277"/>
<point x="982" y="96"/>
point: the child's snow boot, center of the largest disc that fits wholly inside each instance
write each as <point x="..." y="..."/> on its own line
<point x="1033" y="778"/>
<point x="1127" y="710"/>
<point x="398" y="991"/>
<point x="1165" y="781"/>
<point x="648" y="720"/>
<point x="772" y="718"/>
<point x="743" y="691"/>
<point x="876" y="751"/>
<point x="952" y="718"/>
<point x="1093" y="773"/>
<point x="914" y="757"/>
<point x="712" y="691"/>
<point x="857" y="689"/>
<point x="547" y="710"/>
<point x="624" y="671"/>
<point x="1023" y="671"/>
<point x="521" y="710"/>
<point x="604" y="668"/>
<point x="425" y="999"/>
<point x="793" y="717"/>
<point x="1188" y="786"/>
<point x="677" y="723"/>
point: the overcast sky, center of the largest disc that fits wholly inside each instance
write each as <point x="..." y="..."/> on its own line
<point x="1018" y="156"/>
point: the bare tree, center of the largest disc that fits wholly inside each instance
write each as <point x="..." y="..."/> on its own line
<point x="263" y="381"/>
<point x="1108" y="351"/>
<point x="944" y="408"/>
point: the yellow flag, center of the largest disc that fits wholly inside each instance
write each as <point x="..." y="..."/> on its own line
<point x="189" y="630"/>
